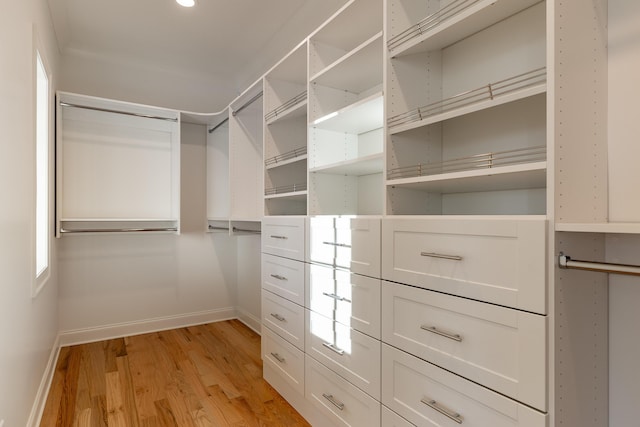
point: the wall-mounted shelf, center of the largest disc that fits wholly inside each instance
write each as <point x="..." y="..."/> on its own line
<point x="296" y="155"/>
<point x="599" y="227"/>
<point x="365" y="165"/>
<point x="455" y="21"/>
<point x="295" y="107"/>
<point x="362" y="116"/>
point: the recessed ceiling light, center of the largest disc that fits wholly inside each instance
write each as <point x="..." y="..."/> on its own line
<point x="186" y="3"/>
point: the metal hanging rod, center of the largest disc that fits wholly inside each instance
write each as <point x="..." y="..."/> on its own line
<point x="245" y="230"/>
<point x="565" y="262"/>
<point x="218" y="125"/>
<point x="213" y="227"/>
<point x="126" y="113"/>
<point x="246" y="104"/>
<point x="115" y="230"/>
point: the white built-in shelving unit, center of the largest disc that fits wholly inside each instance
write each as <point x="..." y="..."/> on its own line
<point x="466" y="107"/>
<point x="346" y="119"/>
<point x="118" y="166"/>
<point x="218" y="189"/>
<point x="285" y="135"/>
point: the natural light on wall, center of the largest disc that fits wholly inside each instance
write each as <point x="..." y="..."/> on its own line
<point x="42" y="171"/>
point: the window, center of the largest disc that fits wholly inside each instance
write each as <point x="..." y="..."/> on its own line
<point x="42" y="220"/>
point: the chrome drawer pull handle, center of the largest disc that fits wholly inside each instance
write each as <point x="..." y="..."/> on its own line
<point x="434" y="330"/>
<point x="332" y="399"/>
<point x="279" y="277"/>
<point x="278" y="317"/>
<point x="342" y="245"/>
<point x="444" y="411"/>
<point x="335" y="297"/>
<point x="278" y="357"/>
<point x="443" y="256"/>
<point x="278" y="237"/>
<point x="333" y="348"/>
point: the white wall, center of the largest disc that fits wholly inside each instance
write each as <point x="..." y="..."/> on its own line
<point x="128" y="283"/>
<point x="28" y="326"/>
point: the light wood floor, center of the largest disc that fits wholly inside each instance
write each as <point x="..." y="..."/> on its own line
<point x="209" y="375"/>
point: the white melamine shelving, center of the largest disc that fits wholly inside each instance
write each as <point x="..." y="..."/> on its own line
<point x="285" y="135"/>
<point x="118" y="166"/>
<point x="217" y="151"/>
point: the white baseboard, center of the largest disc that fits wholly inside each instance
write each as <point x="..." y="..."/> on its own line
<point x="118" y="330"/>
<point x="45" y="384"/>
<point x="250" y="320"/>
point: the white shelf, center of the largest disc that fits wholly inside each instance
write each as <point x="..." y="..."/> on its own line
<point x="294" y="195"/>
<point x="287" y="162"/>
<point x="514" y="177"/>
<point x="359" y="117"/>
<point x="364" y="69"/>
<point x="460" y="25"/>
<point x="356" y="167"/>
<point x="471" y="108"/>
<point x="600" y="227"/>
<point x="295" y="111"/>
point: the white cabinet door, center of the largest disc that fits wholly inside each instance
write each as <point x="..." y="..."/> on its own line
<point x="353" y="355"/>
<point x="427" y="395"/>
<point x="284" y="318"/>
<point x="351" y="243"/>
<point x="391" y="419"/>
<point x="284" y="236"/>
<point x="348" y="298"/>
<point x="284" y="277"/>
<point x="342" y="402"/>
<point x="501" y="348"/>
<point x="502" y="261"/>
<point x="285" y="359"/>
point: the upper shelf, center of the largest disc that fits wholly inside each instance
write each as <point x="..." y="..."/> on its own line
<point x="455" y="21"/>
<point x="366" y="165"/>
<point x="295" y="107"/>
<point x="600" y="227"/>
<point x="360" y="117"/>
<point x="493" y="94"/>
<point x="356" y="71"/>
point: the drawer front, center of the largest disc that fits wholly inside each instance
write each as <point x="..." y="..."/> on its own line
<point x="283" y="317"/>
<point x="391" y="419"/>
<point x="500" y="261"/>
<point x="352" y="243"/>
<point x="353" y="355"/>
<point x="284" y="237"/>
<point x="284" y="358"/>
<point x="284" y="277"/>
<point x="501" y="348"/>
<point x="342" y="402"/>
<point x="348" y="298"/>
<point x="430" y="396"/>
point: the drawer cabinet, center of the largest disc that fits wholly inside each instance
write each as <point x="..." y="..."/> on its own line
<point x="427" y="395"/>
<point x="391" y="419"/>
<point x="353" y="355"/>
<point x="284" y="358"/>
<point x="342" y="402"/>
<point x="501" y="261"/>
<point x="501" y="348"/>
<point x="283" y="277"/>
<point x="348" y="298"/>
<point x="283" y="317"/>
<point x="351" y="243"/>
<point x="284" y="236"/>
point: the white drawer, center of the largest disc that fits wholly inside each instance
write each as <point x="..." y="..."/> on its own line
<point x="495" y="260"/>
<point x="424" y="394"/>
<point x="284" y="236"/>
<point x="283" y="358"/>
<point x="352" y="243"/>
<point x="391" y="419"/>
<point x="342" y="402"/>
<point x="501" y="348"/>
<point x="284" y="277"/>
<point x="283" y="317"/>
<point x="348" y="298"/>
<point x="353" y="355"/>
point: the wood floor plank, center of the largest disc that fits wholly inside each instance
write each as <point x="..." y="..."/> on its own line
<point x="200" y="376"/>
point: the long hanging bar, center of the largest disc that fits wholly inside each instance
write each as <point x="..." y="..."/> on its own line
<point x="565" y="262"/>
<point x="246" y="104"/>
<point x="115" y="230"/>
<point x="218" y="125"/>
<point x="126" y="113"/>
